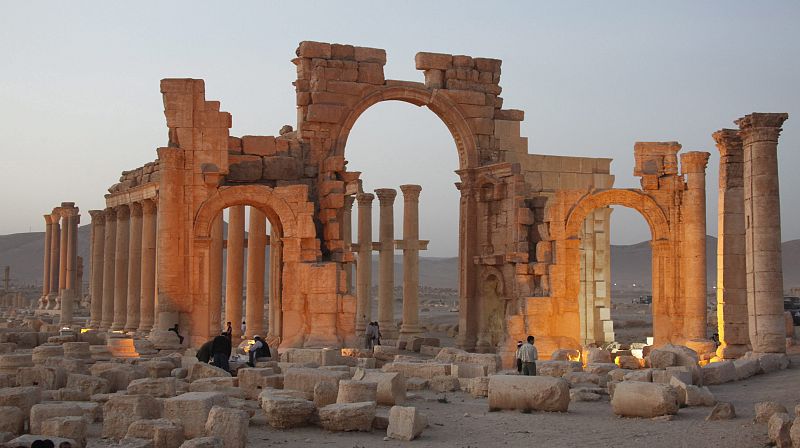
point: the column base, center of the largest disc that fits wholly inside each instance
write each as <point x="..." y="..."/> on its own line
<point x="388" y="330"/>
<point x="164" y="340"/>
<point x="408" y="331"/>
<point x="51" y="301"/>
<point x="731" y="351"/>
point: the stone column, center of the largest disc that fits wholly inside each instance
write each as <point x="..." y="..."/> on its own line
<point x="235" y="269"/>
<point x="215" y="276"/>
<point x="762" y="213"/>
<point x="411" y="247"/>
<point x="347" y="237"/>
<point x="693" y="208"/>
<point x="386" y="262"/>
<point x="72" y="219"/>
<point x="364" y="263"/>
<point x="256" y="246"/>
<point x="148" y="270"/>
<point x="48" y="237"/>
<point x="55" y="260"/>
<point x="275" y="284"/>
<point x="109" y="250"/>
<point x="121" y="256"/>
<point x="467" y="272"/>
<point x="96" y="254"/>
<point x="134" y="268"/>
<point x="62" y="256"/>
<point x="731" y="247"/>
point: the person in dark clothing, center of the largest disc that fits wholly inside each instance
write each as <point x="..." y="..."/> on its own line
<point x="204" y="354"/>
<point x="229" y="331"/>
<point x="175" y="329"/>
<point x="221" y="351"/>
<point x="46" y="443"/>
<point x="259" y="349"/>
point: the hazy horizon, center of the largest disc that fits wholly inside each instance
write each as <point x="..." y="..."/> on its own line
<point x="80" y="101"/>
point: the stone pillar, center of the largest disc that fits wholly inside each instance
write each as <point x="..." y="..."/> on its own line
<point x="48" y="237"/>
<point x="109" y="250"/>
<point x="72" y="218"/>
<point x="762" y="213"/>
<point x="148" y="269"/>
<point x="693" y="208"/>
<point x="121" y="256"/>
<point x="347" y="237"/>
<point x="411" y="246"/>
<point x="364" y="263"/>
<point x="468" y="316"/>
<point x="134" y="268"/>
<point x="79" y="279"/>
<point x="55" y="252"/>
<point x="731" y="247"/>
<point x="256" y="245"/>
<point x="62" y="256"/>
<point x="235" y="269"/>
<point x="215" y="276"/>
<point x="386" y="262"/>
<point x="96" y="254"/>
<point x="275" y="283"/>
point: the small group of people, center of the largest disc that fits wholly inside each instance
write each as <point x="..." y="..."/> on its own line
<point x="47" y="443"/>
<point x="526" y="357"/>
<point x="218" y="350"/>
<point x="372" y="335"/>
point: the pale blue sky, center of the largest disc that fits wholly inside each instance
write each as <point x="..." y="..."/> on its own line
<point x="79" y="96"/>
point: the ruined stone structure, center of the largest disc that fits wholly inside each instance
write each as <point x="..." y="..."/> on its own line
<point x="60" y="281"/>
<point x="533" y="229"/>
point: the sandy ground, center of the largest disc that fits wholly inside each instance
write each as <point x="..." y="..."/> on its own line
<point x="465" y="422"/>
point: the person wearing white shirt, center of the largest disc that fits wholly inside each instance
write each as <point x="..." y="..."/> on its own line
<point x="528" y="355"/>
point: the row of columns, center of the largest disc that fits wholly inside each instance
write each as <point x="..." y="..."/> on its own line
<point x="123" y="252"/>
<point x="59" y="278"/>
<point x="386" y="245"/>
<point x="750" y="275"/>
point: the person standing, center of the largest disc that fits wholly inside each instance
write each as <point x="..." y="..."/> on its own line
<point x="368" y="336"/>
<point x="516" y="357"/>
<point x="229" y="331"/>
<point x="221" y="351"/>
<point x="528" y="355"/>
<point x="376" y="340"/>
<point x="244" y="329"/>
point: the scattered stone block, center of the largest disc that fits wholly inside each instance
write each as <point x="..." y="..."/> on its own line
<point x="722" y="411"/>
<point x="305" y="379"/>
<point x="192" y="410"/>
<point x="628" y="362"/>
<point x="122" y="410"/>
<point x="594" y="355"/>
<point x="557" y="369"/>
<point x="719" y="372"/>
<point x="230" y="425"/>
<point x="648" y="400"/>
<point x="565" y="355"/>
<point x="283" y="411"/>
<point x="164" y="433"/>
<point x="444" y="384"/>
<point x="416" y="343"/>
<point x="27" y="440"/>
<point x="155" y="387"/>
<point x="43" y="411"/>
<point x="226" y="385"/>
<point x="21" y="397"/>
<point x="67" y="394"/>
<point x="69" y="427"/>
<point x="202" y="370"/>
<point x="745" y="368"/>
<point x="583" y="395"/>
<point x="765" y="409"/>
<point x="468" y="370"/>
<point x="686" y="357"/>
<point x="769" y="362"/>
<point x="203" y="442"/>
<point x="48" y="378"/>
<point x="661" y="359"/>
<point x="698" y="396"/>
<point x="405" y="423"/>
<point x="418" y="369"/>
<point x="12" y="420"/>
<point x="391" y="385"/>
<point x="91" y="384"/>
<point x="794" y="433"/>
<point x="348" y="416"/>
<point x="355" y="391"/>
<point x="779" y="429"/>
<point x="574" y="378"/>
<point x="528" y="393"/>
<point x="644" y="375"/>
<point x="325" y="393"/>
<point x="254" y="380"/>
<point x="479" y="387"/>
<point x="417" y="384"/>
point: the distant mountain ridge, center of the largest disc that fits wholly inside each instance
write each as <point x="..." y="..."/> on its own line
<point x="630" y="264"/>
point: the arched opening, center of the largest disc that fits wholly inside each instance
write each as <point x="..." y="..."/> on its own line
<point x="395" y="144"/>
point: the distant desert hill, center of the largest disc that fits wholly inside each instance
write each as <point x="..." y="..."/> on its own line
<point x="630" y="264"/>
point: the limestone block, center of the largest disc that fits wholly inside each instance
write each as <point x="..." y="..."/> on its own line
<point x="779" y="429"/>
<point x="158" y="369"/>
<point x="600" y="368"/>
<point x="596" y="355"/>
<point x="203" y="442"/>
<point x="526" y="393"/>
<point x="244" y="168"/>
<point x="230" y="425"/>
<point x="438" y="61"/>
<point x="92" y="412"/>
<point x="444" y="383"/>
<point x="429" y="350"/>
<point x="48" y="378"/>
<point x="702" y="346"/>
<point x="617" y="375"/>
<point x="557" y="369"/>
<point x="745" y="368"/>
<point x="581" y="394"/>
<point x="719" y="372"/>
<point x="202" y="370"/>
<point x="686" y="357"/>
<point x="281" y="168"/>
<point x="77" y="350"/>
<point x="794" y="433"/>
<point x="479" y="387"/>
<point x="122" y="410"/>
<point x="254" y="380"/>
<point x="325" y="393"/>
<point x="9" y="364"/>
<point x="45" y="352"/>
<point x="644" y="375"/>
<point x="91" y="384"/>
<point x="563" y="354"/>
<point x="355" y="391"/>
<point x="417" y="342"/>
<point x="305" y="379"/>
<point x="70" y="395"/>
<point x="722" y="411"/>
<point x="284" y="411"/>
<point x="467" y="370"/>
<point x="385" y="353"/>
<point x="391" y="385"/>
<point x="697" y="396"/>
<point x="192" y="409"/>
<point x="164" y="433"/>
<point x="310" y="49"/>
<point x="27" y="440"/>
<point x="682" y="373"/>
<point x="7" y="380"/>
<point x="661" y="359"/>
<point x="258" y="145"/>
<point x="120" y="377"/>
<point x="628" y="362"/>
<point x="226" y="385"/>
<point x="69" y="427"/>
<point x="23" y="398"/>
<point x="574" y="378"/>
<point x="638" y="399"/>
<point x="769" y="362"/>
<point x="356" y="416"/>
<point x="179" y="373"/>
<point x="405" y="423"/>
<point x="765" y="410"/>
<point x="43" y="411"/>
<point x="155" y="387"/>
<point x="12" y="420"/>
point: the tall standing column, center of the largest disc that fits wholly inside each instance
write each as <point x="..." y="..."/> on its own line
<point x="62" y="255"/>
<point x="256" y="246"/>
<point x="693" y="208"/>
<point x="48" y="236"/>
<point x="134" y="268"/>
<point x="275" y="282"/>
<point x="70" y="292"/>
<point x="121" y="255"/>
<point x="148" y="271"/>
<point x="762" y="213"/>
<point x="386" y="262"/>
<point x="364" y="263"/>
<point x="215" y="276"/>
<point x="96" y="251"/>
<point x="411" y="246"/>
<point x="235" y="269"/>
<point x="347" y="237"/>
<point x="55" y="260"/>
<point x="109" y="251"/>
<point x="731" y="247"/>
